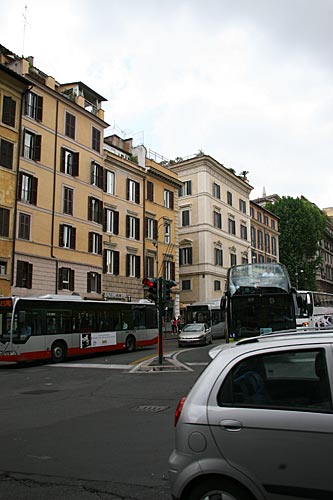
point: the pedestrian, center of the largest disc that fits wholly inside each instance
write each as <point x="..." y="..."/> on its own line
<point x="174" y="324"/>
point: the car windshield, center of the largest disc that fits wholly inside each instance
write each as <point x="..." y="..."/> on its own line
<point x="193" y="328"/>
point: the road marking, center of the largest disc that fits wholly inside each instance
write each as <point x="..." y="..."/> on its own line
<point x="93" y="365"/>
<point x="199" y="363"/>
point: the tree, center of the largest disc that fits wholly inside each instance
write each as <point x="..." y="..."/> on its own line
<point x="302" y="226"/>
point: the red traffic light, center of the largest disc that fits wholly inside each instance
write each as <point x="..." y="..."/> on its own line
<point x="149" y="282"/>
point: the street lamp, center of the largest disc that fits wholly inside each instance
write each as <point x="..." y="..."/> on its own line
<point x="296" y="276"/>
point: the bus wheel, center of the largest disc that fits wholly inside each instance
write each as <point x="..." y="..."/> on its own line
<point x="58" y="352"/>
<point x="130" y="343"/>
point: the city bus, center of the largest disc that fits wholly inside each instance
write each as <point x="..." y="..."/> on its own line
<point x="207" y="312"/>
<point x="314" y="309"/>
<point x="54" y="327"/>
<point x="258" y="299"/>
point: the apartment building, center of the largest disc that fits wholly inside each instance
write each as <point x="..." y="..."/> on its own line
<point x="12" y="89"/>
<point x="324" y="277"/>
<point x="214" y="229"/>
<point x="264" y="234"/>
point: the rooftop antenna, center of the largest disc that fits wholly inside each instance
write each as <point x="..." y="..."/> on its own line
<point x="24" y="26"/>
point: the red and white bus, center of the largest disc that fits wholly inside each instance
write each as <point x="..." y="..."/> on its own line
<point x="55" y="327"/>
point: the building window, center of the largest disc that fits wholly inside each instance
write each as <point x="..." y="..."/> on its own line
<point x="231" y="226"/>
<point x="272" y="223"/>
<point x="24" y="226"/>
<point x="259" y="216"/>
<point x="133" y="191"/>
<point x="252" y="212"/>
<point x="261" y="258"/>
<point x="185" y="256"/>
<point x="260" y="240"/>
<point x="33" y="106"/>
<point x="186" y="285"/>
<point x="217" y="219"/>
<point x="23" y="274"/>
<point x="93" y="282"/>
<point x="95" y="210"/>
<point x="3" y="268"/>
<point x="8" y="111"/>
<point x="243" y="231"/>
<point x="67" y="236"/>
<point x="150" y="191"/>
<point x="274" y="246"/>
<point x="109" y="181"/>
<point x="245" y="259"/>
<point x="151" y="228"/>
<point x="242" y="206"/>
<point x="6" y="153"/>
<point x="185" y="189"/>
<point x="267" y="243"/>
<point x="28" y="188"/>
<point x="111" y="221"/>
<point x="66" y="278"/>
<point x="185" y="217"/>
<point x="133" y="266"/>
<point x="216" y="190"/>
<point x="168" y="199"/>
<point x="67" y="205"/>
<point x="32" y="146"/>
<point x="167" y="232"/>
<point x="4" y="222"/>
<point x="132" y="227"/>
<point x="233" y="259"/>
<point x="70" y="125"/>
<point x="265" y="220"/>
<point x="96" y="175"/>
<point x="217" y="285"/>
<point x="253" y="237"/>
<point x="96" y="140"/>
<point x="150" y="266"/>
<point x="229" y="198"/>
<point x="169" y="270"/>
<point x="111" y="262"/>
<point x="218" y="256"/>
<point x="95" y="243"/>
<point x="69" y="162"/>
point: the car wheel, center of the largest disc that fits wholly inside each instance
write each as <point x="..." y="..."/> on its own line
<point x="217" y="489"/>
<point x="58" y="352"/>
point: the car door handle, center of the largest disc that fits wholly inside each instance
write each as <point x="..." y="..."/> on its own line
<point x="231" y="425"/>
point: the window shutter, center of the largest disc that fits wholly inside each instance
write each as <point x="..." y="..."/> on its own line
<point x="19" y="273"/>
<point x="116" y="222"/>
<point x="127" y="226"/>
<point x="29" y="276"/>
<point x="100" y="212"/>
<point x="39" y="109"/>
<point x="88" y="282"/>
<point x="127" y="265"/>
<point x="34" y="187"/>
<point x="105" y="212"/>
<point x="75" y="164"/>
<point x="190" y="255"/>
<point x="72" y="280"/>
<point x="181" y="252"/>
<point x="137" y="229"/>
<point x="105" y="254"/>
<point x="137" y="266"/>
<point x="171" y="200"/>
<point x="155" y="230"/>
<point x="73" y="238"/>
<point x="61" y="235"/>
<point x="37" y="148"/>
<point x="19" y="187"/>
<point x="137" y="192"/>
<point x="189" y="187"/>
<point x="99" y="244"/>
<point x="100" y="177"/>
<point x="62" y="159"/>
<point x="90" y="242"/>
<point x="60" y="278"/>
<point x="127" y="189"/>
<point x="116" y="263"/>
<point x="8" y="111"/>
<point x="89" y="208"/>
<point x="99" y="283"/>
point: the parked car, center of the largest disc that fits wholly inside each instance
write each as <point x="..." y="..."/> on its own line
<point x="195" y="334"/>
<point x="258" y="423"/>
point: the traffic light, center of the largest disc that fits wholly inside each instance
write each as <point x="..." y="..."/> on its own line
<point x="151" y="283"/>
<point x="168" y="284"/>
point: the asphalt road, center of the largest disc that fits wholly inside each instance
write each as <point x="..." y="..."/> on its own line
<point x="91" y="428"/>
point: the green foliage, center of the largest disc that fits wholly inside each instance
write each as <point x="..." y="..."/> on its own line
<point x="302" y="226"/>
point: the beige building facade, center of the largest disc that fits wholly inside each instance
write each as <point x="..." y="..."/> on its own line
<point x="214" y="228"/>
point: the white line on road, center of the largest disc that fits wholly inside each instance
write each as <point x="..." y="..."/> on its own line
<point x="93" y="365"/>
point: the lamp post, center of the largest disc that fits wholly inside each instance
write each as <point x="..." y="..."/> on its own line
<point x="296" y="276"/>
<point x="160" y="294"/>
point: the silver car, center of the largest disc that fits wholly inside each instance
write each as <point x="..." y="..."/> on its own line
<point x="195" y="334"/>
<point x="258" y="423"/>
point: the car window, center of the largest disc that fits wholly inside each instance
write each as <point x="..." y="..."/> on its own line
<point x="288" y="380"/>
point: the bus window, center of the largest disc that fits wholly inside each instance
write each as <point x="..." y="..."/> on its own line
<point x="58" y="321"/>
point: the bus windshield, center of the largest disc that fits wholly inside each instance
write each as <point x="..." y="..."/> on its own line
<point x="259" y="299"/>
<point x="6" y="311"/>
<point x="247" y="279"/>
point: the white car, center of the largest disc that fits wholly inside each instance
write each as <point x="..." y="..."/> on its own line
<point x="195" y="334"/>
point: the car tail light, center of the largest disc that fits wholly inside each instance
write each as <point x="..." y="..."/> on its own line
<point x="179" y="409"/>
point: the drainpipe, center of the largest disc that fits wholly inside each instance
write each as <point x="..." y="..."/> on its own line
<point x="54" y="196"/>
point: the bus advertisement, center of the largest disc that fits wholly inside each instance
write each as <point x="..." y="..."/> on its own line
<point x="314" y="309"/>
<point x="258" y="299"/>
<point x="54" y="327"/>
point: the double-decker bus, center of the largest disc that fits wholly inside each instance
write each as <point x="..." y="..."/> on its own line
<point x="207" y="312"/>
<point x="314" y="309"/>
<point x="258" y="299"/>
<point x="55" y="327"/>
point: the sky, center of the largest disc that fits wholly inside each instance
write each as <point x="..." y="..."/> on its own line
<point x="248" y="82"/>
